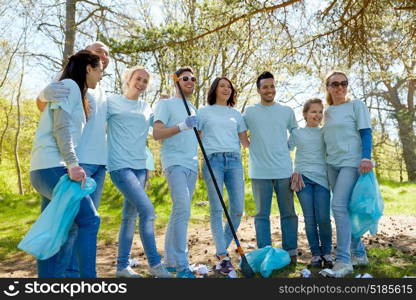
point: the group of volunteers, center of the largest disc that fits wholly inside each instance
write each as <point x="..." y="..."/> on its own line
<point x="83" y="133"/>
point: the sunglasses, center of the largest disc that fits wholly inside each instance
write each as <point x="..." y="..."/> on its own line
<point x="186" y="78"/>
<point x="336" y="84"/>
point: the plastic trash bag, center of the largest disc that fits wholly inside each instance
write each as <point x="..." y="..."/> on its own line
<point x="366" y="205"/>
<point x="267" y="259"/>
<point x="50" y="231"/>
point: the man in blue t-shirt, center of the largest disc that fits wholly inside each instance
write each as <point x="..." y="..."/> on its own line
<point x="270" y="165"/>
<point x="179" y="158"/>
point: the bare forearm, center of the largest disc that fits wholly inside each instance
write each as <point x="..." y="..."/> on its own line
<point x="160" y="133"/>
<point x="244" y="139"/>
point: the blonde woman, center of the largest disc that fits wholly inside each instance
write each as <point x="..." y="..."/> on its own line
<point x="347" y="136"/>
<point x="129" y="119"/>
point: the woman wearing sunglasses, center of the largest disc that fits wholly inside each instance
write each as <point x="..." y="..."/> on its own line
<point x="129" y="119"/>
<point x="223" y="129"/>
<point x="348" y="139"/>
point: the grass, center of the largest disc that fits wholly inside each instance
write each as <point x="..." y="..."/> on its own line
<point x="18" y="212"/>
<point x="384" y="263"/>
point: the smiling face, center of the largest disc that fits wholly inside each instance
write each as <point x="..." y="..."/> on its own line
<point x="188" y="85"/>
<point x="223" y="91"/>
<point x="94" y="75"/>
<point x="336" y="90"/>
<point x="314" y="115"/>
<point x="267" y="90"/>
<point x="138" y="82"/>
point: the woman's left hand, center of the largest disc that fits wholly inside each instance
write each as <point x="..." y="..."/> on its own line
<point x="366" y="165"/>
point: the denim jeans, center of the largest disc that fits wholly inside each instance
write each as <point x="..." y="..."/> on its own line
<point x="228" y="170"/>
<point x="87" y="222"/>
<point x="96" y="172"/>
<point x="131" y="184"/>
<point x="315" y="202"/>
<point x="181" y="181"/>
<point x="342" y="181"/>
<point x="262" y="194"/>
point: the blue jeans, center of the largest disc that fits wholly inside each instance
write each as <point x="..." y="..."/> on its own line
<point x="315" y="202"/>
<point x="131" y="184"/>
<point x="96" y="172"/>
<point x="342" y="181"/>
<point x="262" y="194"/>
<point x="228" y="170"/>
<point x="181" y="181"/>
<point x="87" y="222"/>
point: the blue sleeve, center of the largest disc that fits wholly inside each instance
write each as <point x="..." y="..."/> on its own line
<point x="366" y="140"/>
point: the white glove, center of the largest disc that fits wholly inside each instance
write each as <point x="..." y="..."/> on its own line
<point x="54" y="92"/>
<point x="189" y="123"/>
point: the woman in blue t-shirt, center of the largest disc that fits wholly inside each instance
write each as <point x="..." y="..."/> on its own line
<point x="54" y="154"/>
<point x="348" y="138"/>
<point x="222" y="129"/>
<point x="129" y="119"/>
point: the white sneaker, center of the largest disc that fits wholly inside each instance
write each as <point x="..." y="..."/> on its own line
<point x="127" y="273"/>
<point x="340" y="269"/>
<point x="160" y="271"/>
<point x="357" y="261"/>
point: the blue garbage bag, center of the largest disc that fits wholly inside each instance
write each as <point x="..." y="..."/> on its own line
<point x="50" y="231"/>
<point x="267" y="259"/>
<point x="366" y="206"/>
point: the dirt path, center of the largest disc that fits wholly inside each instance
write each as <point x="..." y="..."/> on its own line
<point x="398" y="232"/>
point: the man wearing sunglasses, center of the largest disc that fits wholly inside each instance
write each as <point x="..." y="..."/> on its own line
<point x="180" y="163"/>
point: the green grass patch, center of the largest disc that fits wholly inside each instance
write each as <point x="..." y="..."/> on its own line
<point x="384" y="263"/>
<point x="18" y="212"/>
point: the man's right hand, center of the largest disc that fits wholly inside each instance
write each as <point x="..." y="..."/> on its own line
<point x="189" y="123"/>
<point x="54" y="92"/>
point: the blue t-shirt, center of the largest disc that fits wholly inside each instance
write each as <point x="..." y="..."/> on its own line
<point x="269" y="153"/>
<point x="92" y="148"/>
<point x="220" y="126"/>
<point x="45" y="151"/>
<point x="341" y="133"/>
<point x="180" y="149"/>
<point x="128" y="127"/>
<point x="310" y="154"/>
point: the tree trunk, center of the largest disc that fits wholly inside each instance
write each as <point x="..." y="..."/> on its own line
<point x="16" y="139"/>
<point x="6" y="127"/>
<point x="70" y="30"/>
<point x="408" y="139"/>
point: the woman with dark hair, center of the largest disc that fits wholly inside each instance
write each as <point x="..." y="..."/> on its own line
<point x="348" y="139"/>
<point x="222" y="129"/>
<point x="54" y="154"/>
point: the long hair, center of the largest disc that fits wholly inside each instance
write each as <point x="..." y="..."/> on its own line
<point x="76" y="69"/>
<point x="212" y="97"/>
<point x="328" y="97"/>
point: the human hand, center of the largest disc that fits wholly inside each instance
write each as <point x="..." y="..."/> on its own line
<point x="77" y="173"/>
<point x="54" y="92"/>
<point x="365" y="166"/>
<point x="189" y="123"/>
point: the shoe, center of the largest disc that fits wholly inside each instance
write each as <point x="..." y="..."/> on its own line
<point x="341" y="270"/>
<point x="294" y="260"/>
<point x="160" y="271"/>
<point x="358" y="261"/>
<point x="127" y="273"/>
<point x="316" y="261"/>
<point x="224" y="266"/>
<point x="187" y="273"/>
<point x="328" y="261"/>
<point x="171" y="269"/>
